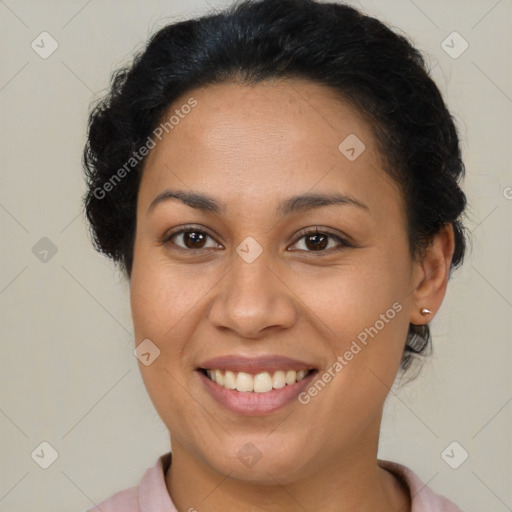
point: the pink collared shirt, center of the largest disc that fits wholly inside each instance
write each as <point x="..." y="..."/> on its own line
<point x="151" y="494"/>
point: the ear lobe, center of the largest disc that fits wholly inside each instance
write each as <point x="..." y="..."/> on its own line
<point x="431" y="274"/>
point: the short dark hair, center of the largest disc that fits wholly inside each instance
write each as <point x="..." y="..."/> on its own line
<point x="375" y="69"/>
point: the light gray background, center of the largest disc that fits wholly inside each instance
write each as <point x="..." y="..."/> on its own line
<point x="68" y="375"/>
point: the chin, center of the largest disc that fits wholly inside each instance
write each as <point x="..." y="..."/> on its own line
<point x="264" y="466"/>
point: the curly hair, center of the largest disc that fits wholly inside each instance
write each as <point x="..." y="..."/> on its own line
<point x="375" y="69"/>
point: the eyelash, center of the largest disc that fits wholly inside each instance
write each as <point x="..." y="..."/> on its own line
<point x="302" y="234"/>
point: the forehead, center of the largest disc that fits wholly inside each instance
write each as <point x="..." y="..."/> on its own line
<point x="284" y="136"/>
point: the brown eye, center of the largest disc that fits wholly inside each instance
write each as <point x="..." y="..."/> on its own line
<point x="190" y="239"/>
<point x="318" y="241"/>
<point x="194" y="239"/>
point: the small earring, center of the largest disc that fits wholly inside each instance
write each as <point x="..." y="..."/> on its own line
<point x="426" y="311"/>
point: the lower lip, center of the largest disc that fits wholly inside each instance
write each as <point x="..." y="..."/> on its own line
<point x="252" y="403"/>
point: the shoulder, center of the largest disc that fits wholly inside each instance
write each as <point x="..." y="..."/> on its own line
<point x="423" y="499"/>
<point x="126" y="500"/>
<point x="150" y="494"/>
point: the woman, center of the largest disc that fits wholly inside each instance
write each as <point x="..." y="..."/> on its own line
<point x="279" y="182"/>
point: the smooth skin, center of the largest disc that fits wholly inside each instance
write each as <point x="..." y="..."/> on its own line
<point x="250" y="148"/>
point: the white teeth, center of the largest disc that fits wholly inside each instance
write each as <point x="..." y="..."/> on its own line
<point x="291" y="377"/>
<point x="229" y="380"/>
<point x="279" y="380"/>
<point x="219" y="378"/>
<point x="262" y="382"/>
<point x="244" y="382"/>
<point x="300" y="375"/>
<point x="259" y="383"/>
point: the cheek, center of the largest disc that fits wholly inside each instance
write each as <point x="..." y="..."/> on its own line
<point x="352" y="298"/>
<point x="364" y="326"/>
<point x="162" y="304"/>
<point x="362" y="310"/>
<point x="161" y="294"/>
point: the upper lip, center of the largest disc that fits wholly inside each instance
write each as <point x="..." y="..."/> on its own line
<point x="255" y="364"/>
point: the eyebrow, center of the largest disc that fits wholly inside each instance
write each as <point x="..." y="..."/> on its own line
<point x="294" y="204"/>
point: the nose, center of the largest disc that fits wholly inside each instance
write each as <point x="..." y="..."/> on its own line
<point x="253" y="298"/>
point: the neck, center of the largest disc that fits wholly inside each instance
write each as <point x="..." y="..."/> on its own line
<point x="345" y="482"/>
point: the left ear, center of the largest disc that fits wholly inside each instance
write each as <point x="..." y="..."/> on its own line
<point x="431" y="274"/>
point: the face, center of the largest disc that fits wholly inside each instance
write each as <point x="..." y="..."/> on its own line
<point x="265" y="245"/>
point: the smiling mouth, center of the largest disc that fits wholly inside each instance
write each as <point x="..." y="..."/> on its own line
<point x="256" y="383"/>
